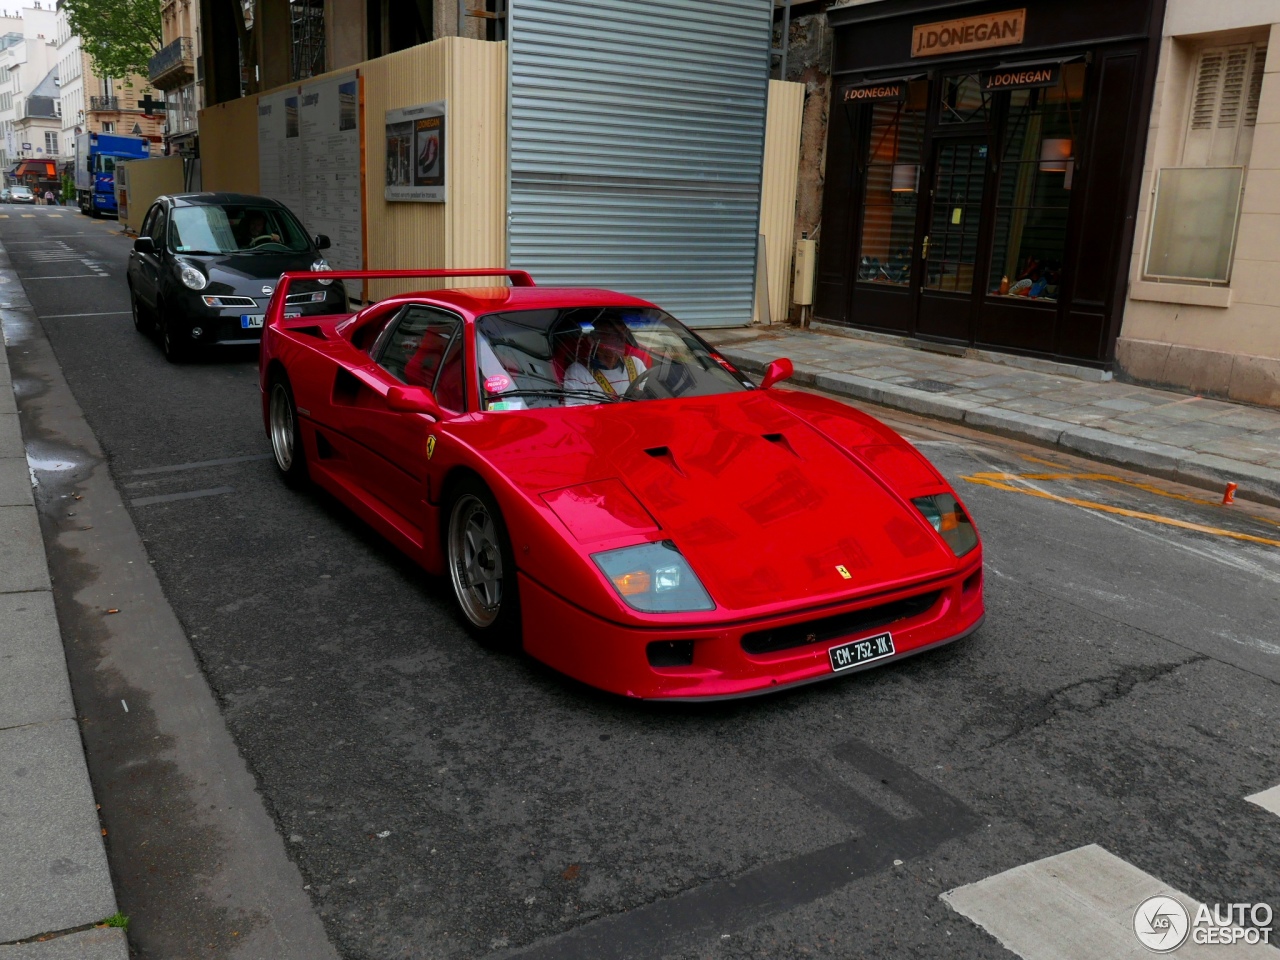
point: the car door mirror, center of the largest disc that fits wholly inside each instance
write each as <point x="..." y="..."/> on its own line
<point x="322" y="242"/>
<point x="780" y="369"/>
<point x="412" y="400"/>
<point x="144" y="245"/>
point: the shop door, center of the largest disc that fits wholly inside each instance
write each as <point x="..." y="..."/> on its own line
<point x="952" y="226"/>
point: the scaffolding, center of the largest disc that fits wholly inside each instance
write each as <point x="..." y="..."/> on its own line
<point x="306" y="19"/>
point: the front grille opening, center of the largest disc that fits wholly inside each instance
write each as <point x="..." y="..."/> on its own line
<point x="670" y="653"/>
<point x="839" y="626"/>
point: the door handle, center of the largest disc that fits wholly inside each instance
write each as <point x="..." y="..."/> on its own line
<point x="924" y="249"/>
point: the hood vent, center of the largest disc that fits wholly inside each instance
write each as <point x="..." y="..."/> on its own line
<point x="664" y="454"/>
<point x="780" y="440"/>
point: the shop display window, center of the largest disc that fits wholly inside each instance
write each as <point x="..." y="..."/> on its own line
<point x="963" y="100"/>
<point x="892" y="188"/>
<point x="1033" y="192"/>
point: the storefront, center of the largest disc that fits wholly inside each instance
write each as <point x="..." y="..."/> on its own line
<point x="982" y="171"/>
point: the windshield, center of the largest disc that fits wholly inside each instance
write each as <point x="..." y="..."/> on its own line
<point x="21" y="191"/>
<point x="568" y="357"/>
<point x="106" y="164"/>
<point x="235" y="228"/>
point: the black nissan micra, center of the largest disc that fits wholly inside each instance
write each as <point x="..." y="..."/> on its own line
<point x="205" y="264"/>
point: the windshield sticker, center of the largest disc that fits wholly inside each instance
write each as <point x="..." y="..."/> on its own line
<point x="497" y="384"/>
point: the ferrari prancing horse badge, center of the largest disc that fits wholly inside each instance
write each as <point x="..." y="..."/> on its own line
<point x="431" y="445"/>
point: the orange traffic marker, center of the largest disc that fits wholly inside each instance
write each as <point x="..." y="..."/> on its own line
<point x="1229" y="495"/>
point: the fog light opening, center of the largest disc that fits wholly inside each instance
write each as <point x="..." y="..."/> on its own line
<point x="670" y="653"/>
<point x="972" y="583"/>
<point x="196" y="332"/>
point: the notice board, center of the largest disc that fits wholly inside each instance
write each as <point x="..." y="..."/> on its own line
<point x="309" y="160"/>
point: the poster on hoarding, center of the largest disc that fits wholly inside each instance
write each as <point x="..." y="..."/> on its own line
<point x="309" y="160"/>
<point x="415" y="153"/>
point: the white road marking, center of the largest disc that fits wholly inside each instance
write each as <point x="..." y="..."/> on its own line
<point x="188" y="495"/>
<point x="1268" y="800"/>
<point x="70" y="276"/>
<point x="1078" y="905"/>
<point x="198" y="464"/>
<point x="64" y="316"/>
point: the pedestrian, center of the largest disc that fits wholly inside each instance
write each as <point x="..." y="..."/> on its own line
<point x="48" y="197"/>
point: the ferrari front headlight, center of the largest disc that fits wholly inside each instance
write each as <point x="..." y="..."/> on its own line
<point x="945" y="515"/>
<point x="192" y="276"/>
<point x="654" y="578"/>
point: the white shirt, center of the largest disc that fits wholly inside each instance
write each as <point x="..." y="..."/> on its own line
<point x="578" y="377"/>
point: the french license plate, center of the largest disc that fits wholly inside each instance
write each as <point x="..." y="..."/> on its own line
<point x="253" y="321"/>
<point x="857" y="652"/>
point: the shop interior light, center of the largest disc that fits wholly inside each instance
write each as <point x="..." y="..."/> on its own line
<point x="1056" y="155"/>
<point x="906" y="178"/>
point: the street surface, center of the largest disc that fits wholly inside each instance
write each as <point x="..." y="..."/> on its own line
<point x="440" y="800"/>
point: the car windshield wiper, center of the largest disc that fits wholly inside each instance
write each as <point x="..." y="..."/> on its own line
<point x="559" y="392"/>
<point x="203" y="253"/>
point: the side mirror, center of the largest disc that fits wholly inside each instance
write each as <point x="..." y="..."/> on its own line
<point x="780" y="369"/>
<point x="412" y="400"/>
<point x="144" y="245"/>
<point x="321" y="241"/>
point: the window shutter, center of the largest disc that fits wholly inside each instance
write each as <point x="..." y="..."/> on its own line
<point x="1224" y="105"/>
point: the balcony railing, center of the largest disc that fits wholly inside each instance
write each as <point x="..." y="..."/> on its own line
<point x="172" y="66"/>
<point x="103" y="103"/>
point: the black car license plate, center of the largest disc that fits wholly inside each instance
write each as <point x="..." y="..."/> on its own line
<point x="857" y="652"/>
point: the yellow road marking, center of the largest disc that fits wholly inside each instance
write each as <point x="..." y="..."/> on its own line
<point x="998" y="481"/>
<point x="1146" y="487"/>
<point x="4" y="216"/>
<point x="29" y="216"/>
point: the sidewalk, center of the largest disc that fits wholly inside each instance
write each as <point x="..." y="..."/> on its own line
<point x="54" y="877"/>
<point x="1191" y="439"/>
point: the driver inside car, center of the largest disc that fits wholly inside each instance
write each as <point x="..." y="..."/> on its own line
<point x="253" y="229"/>
<point x="609" y="367"/>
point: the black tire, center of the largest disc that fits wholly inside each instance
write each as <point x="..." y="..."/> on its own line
<point x="141" y="322"/>
<point x="285" y="433"/>
<point x="176" y="348"/>
<point x="491" y="616"/>
<point x="93" y="210"/>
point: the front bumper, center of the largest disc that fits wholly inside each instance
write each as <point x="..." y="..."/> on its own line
<point x="614" y="657"/>
<point x="221" y="326"/>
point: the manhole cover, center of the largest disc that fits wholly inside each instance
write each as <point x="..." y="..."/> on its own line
<point x="930" y="386"/>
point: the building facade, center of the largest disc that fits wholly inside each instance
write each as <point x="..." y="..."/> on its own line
<point x="93" y="104"/>
<point x="982" y="171"/>
<point x="177" y="70"/>
<point x="28" y="61"/>
<point x="1203" y="310"/>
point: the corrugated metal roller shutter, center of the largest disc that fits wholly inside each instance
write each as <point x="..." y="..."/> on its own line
<point x="636" y="137"/>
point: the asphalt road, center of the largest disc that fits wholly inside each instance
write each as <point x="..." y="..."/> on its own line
<point x="440" y="800"/>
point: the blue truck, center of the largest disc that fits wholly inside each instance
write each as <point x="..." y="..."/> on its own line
<point x="95" y="165"/>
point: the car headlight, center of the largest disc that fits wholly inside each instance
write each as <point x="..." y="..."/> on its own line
<point x="654" y="578"/>
<point x="193" y="277"/>
<point x="944" y="512"/>
<point x="319" y="267"/>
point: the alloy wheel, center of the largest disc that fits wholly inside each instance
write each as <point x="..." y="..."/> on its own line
<point x="475" y="560"/>
<point x="282" y="427"/>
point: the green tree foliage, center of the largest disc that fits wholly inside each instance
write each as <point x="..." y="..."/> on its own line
<point x="120" y="36"/>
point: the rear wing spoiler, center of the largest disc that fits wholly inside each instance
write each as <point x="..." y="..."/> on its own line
<point x="276" y="311"/>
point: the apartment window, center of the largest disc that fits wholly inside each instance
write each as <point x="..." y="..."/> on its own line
<point x="108" y="126"/>
<point x="50" y="143"/>
<point x="1197" y="203"/>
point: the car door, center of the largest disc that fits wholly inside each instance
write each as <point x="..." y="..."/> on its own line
<point x="149" y="264"/>
<point x="422" y="346"/>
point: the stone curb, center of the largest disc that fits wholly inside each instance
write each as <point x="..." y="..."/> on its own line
<point x="1172" y="463"/>
<point x="56" y="875"/>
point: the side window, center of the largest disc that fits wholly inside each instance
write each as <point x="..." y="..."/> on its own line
<point x="424" y="343"/>
<point x="157" y="228"/>
<point x="148" y="221"/>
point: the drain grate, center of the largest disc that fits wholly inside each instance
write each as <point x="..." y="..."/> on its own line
<point x="930" y="386"/>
